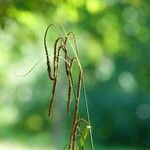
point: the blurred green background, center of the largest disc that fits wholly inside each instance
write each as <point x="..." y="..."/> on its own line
<point x="113" y="37"/>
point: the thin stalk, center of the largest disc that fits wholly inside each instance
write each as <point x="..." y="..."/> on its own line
<point x="87" y="111"/>
<point x="84" y="90"/>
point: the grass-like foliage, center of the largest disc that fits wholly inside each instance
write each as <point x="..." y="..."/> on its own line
<point x="77" y="140"/>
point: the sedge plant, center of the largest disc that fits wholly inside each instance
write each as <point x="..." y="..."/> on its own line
<point x="76" y="140"/>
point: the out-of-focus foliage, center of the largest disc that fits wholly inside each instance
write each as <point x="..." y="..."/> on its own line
<point x="113" y="37"/>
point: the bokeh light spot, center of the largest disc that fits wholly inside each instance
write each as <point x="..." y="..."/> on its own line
<point x="8" y="115"/>
<point x="131" y="28"/>
<point x="127" y="82"/>
<point x="143" y="111"/>
<point x="94" y="6"/>
<point x="144" y="34"/>
<point x="25" y="93"/>
<point x="77" y="3"/>
<point x="105" y="69"/>
<point x="130" y="14"/>
<point x="34" y="123"/>
<point x="66" y="10"/>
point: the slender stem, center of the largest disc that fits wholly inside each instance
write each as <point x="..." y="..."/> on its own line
<point x="84" y="89"/>
<point x="87" y="111"/>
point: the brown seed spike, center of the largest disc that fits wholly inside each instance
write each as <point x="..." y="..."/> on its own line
<point x="57" y="49"/>
<point x="56" y="64"/>
<point x="55" y="56"/>
<point x="70" y="87"/>
<point x="47" y="56"/>
<point x="52" y="98"/>
<point x="69" y="96"/>
<point x="55" y="78"/>
<point x="68" y="72"/>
